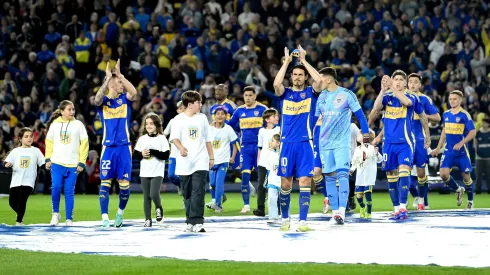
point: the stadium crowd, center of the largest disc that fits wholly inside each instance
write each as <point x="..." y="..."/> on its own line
<point x="52" y="50"/>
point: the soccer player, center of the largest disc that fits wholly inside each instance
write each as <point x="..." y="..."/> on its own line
<point x="190" y="134"/>
<point x="399" y="105"/>
<point x="222" y="136"/>
<point x="297" y="122"/>
<point x="271" y="118"/>
<point x="152" y="150"/>
<point x="66" y="154"/>
<point x="336" y="105"/>
<point x="24" y="161"/>
<point x="421" y="156"/>
<point x="365" y="162"/>
<point x="458" y="130"/>
<point x="173" y="151"/>
<point x="248" y="118"/>
<point x="115" y="111"/>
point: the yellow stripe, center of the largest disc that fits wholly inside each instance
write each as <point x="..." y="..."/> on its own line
<point x="246" y="171"/>
<point x="407" y="138"/>
<point x="468" y="182"/>
<point x="370" y="190"/>
<point x="304" y="189"/>
<point x="403" y="173"/>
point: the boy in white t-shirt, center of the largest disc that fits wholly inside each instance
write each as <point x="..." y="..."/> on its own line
<point x="24" y="161"/>
<point x="222" y="135"/>
<point x="190" y="134"/>
<point x="365" y="161"/>
<point x="271" y="117"/>
<point x="173" y="152"/>
<point x="273" y="180"/>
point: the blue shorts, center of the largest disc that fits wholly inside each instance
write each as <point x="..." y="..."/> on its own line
<point x="115" y="162"/>
<point x="463" y="162"/>
<point x="171" y="167"/>
<point x="318" y="160"/>
<point x="248" y="158"/>
<point x="396" y="154"/>
<point x="296" y="159"/>
<point x="364" y="189"/>
<point x="335" y="159"/>
<point x="235" y="165"/>
<point x="420" y="158"/>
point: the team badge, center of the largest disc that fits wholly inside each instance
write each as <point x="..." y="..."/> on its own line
<point x="24" y="162"/>
<point x="256" y="113"/>
<point x="283" y="170"/>
<point x="104" y="173"/>
<point x="303" y="95"/>
<point x="216" y="143"/>
<point x="339" y="100"/>
<point x="119" y="101"/>
<point x="458" y="119"/>
<point x="65" y="138"/>
<point x="193" y="133"/>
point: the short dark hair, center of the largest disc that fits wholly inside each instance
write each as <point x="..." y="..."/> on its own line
<point x="300" y="66"/>
<point x="328" y="71"/>
<point x="276" y="137"/>
<point x="457" y="92"/>
<point x="249" y="88"/>
<point x="399" y="72"/>
<point x="190" y="97"/>
<point x="269" y="112"/>
<point x="416" y="76"/>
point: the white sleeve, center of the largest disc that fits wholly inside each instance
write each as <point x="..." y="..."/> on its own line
<point x="356" y="159"/>
<point x="261" y="136"/>
<point x="11" y="156"/>
<point x="164" y="144"/>
<point x="175" y="131"/>
<point x="206" y="129"/>
<point x="379" y="158"/>
<point x="83" y="131"/>
<point x="354" y="131"/>
<point x="231" y="133"/>
<point x="167" y="129"/>
<point x="139" y="144"/>
<point x="40" y="157"/>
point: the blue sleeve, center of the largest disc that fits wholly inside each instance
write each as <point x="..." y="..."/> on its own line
<point x="234" y="119"/>
<point x="385" y="100"/>
<point x="286" y="93"/>
<point x="235" y="141"/>
<point x="430" y="108"/>
<point x="362" y="120"/>
<point x="469" y="125"/>
<point x="417" y="105"/>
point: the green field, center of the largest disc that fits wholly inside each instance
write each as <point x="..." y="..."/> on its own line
<point x="87" y="208"/>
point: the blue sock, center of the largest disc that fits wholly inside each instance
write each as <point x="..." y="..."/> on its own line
<point x="104" y="197"/>
<point x="320" y="185"/>
<point x="451" y="183"/>
<point x="246" y="188"/>
<point x="413" y="187"/>
<point x="212" y="183"/>
<point x="333" y="193"/>
<point x="426" y="195"/>
<point x="285" y="201"/>
<point x="393" y="189"/>
<point x="219" y="185"/>
<point x="123" y="197"/>
<point x="369" y="201"/>
<point x="422" y="187"/>
<point x="468" y="188"/>
<point x="404" y="185"/>
<point x="343" y="177"/>
<point x="304" y="202"/>
<point x="361" y="202"/>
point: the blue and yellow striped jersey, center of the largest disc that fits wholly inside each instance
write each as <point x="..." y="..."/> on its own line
<point x="298" y="114"/>
<point x="429" y="109"/>
<point x="115" y="115"/>
<point x="397" y="118"/>
<point x="457" y="126"/>
<point x="249" y="120"/>
<point x="229" y="105"/>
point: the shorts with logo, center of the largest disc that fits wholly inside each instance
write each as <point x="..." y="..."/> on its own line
<point x="448" y="160"/>
<point x="248" y="157"/>
<point x="296" y="159"/>
<point x="335" y="159"/>
<point x="420" y="157"/>
<point x="115" y="162"/>
<point x="396" y="154"/>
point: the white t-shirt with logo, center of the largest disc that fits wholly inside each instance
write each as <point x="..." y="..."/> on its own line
<point x="24" y="165"/>
<point x="220" y="141"/>
<point x="193" y="133"/>
<point x="152" y="167"/>
<point x="264" y="142"/>
<point x="272" y="164"/>
<point x="173" y="150"/>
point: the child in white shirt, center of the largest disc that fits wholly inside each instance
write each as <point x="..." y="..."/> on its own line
<point x="273" y="180"/>
<point x="190" y="134"/>
<point x="365" y="160"/>
<point x="24" y="161"/>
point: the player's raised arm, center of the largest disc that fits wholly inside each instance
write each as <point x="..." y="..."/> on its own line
<point x="378" y="103"/>
<point x="278" y="87"/>
<point x="132" y="92"/>
<point x="99" y="97"/>
<point x="317" y="78"/>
